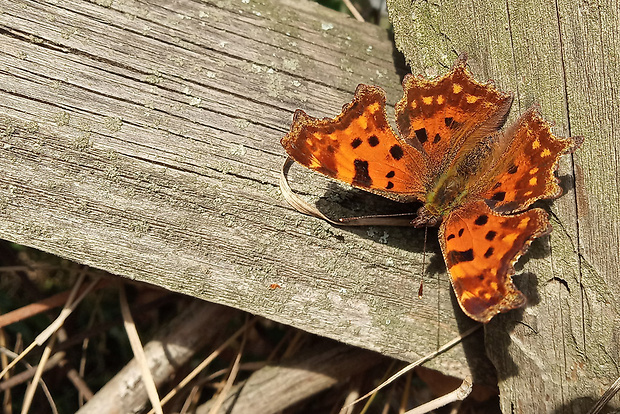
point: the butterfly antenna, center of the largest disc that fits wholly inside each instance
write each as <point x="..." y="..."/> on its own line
<point x="420" y="291"/>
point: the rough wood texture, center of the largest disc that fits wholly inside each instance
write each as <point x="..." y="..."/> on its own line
<point x="563" y="351"/>
<point x="143" y="138"/>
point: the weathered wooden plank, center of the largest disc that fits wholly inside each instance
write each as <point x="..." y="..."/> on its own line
<point x="143" y="138"/>
<point x="562" y="352"/>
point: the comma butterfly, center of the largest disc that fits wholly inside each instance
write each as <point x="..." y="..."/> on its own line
<point x="475" y="181"/>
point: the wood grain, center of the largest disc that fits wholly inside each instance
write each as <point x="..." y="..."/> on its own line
<point x="143" y="138"/>
<point x="561" y="353"/>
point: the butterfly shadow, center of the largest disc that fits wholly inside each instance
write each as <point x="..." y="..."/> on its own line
<point x="498" y="330"/>
<point x="340" y="202"/>
<point x="346" y="202"/>
<point x="400" y="63"/>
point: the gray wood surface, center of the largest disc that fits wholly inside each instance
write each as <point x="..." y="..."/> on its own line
<point x="563" y="351"/>
<point x="143" y="138"/>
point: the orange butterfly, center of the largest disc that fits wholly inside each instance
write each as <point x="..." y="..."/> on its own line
<point x="475" y="181"/>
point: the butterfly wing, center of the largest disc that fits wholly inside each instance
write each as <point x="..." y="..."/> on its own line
<point x="449" y="116"/>
<point x="359" y="147"/>
<point x="526" y="158"/>
<point x="480" y="248"/>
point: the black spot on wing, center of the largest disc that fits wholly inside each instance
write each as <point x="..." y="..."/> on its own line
<point x="499" y="196"/>
<point x="356" y="143"/>
<point x="461" y="232"/>
<point x="481" y="220"/>
<point x="489" y="252"/>
<point x="450" y="237"/>
<point x="397" y="152"/>
<point x="389" y="185"/>
<point x="437" y="138"/>
<point x="390" y="174"/>
<point x="490" y="235"/>
<point x="373" y="141"/>
<point x="361" y="177"/>
<point x="456" y="256"/>
<point x="420" y="134"/>
<point x="513" y="169"/>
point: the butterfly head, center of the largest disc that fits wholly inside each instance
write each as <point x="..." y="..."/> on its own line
<point x="426" y="217"/>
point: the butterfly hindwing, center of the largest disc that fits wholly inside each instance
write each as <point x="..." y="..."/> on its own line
<point x="480" y="248"/>
<point x="525" y="167"/>
<point x="359" y="147"/>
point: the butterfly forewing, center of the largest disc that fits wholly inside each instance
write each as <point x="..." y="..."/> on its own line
<point x="359" y="147"/>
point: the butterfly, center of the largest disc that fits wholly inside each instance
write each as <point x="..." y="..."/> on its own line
<point x="475" y="181"/>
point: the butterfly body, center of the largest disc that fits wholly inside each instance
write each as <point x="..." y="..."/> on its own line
<point x="474" y="180"/>
<point x="447" y="195"/>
